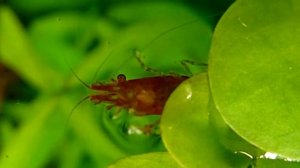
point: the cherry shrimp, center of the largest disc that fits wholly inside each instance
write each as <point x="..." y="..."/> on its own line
<point x="141" y="96"/>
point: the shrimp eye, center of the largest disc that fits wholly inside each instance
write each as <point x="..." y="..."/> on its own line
<point x="121" y="78"/>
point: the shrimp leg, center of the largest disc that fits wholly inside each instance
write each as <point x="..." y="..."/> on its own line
<point x="138" y="56"/>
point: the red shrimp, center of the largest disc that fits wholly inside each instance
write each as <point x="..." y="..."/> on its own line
<point x="140" y="97"/>
<point x="144" y="96"/>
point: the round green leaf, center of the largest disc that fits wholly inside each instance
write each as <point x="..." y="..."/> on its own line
<point x="186" y="129"/>
<point x="150" y="160"/>
<point x="255" y="73"/>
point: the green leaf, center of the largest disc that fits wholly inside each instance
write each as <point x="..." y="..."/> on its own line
<point x="150" y="160"/>
<point x="227" y="137"/>
<point x="32" y="145"/>
<point x="254" y="73"/>
<point x="17" y="52"/>
<point x="186" y="129"/>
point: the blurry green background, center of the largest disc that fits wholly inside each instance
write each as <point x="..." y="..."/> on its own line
<point x="40" y="41"/>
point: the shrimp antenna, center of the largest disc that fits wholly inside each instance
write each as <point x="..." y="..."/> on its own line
<point x="77" y="77"/>
<point x="75" y="107"/>
<point x="82" y="100"/>
<point x="101" y="65"/>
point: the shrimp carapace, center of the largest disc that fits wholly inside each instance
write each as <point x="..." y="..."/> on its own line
<point x="143" y="96"/>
